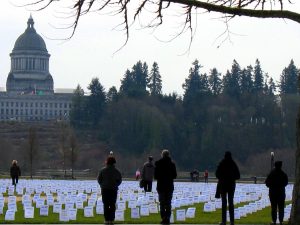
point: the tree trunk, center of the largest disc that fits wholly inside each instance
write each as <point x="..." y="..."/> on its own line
<point x="295" y="213"/>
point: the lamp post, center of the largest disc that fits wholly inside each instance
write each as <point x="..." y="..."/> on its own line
<point x="272" y="160"/>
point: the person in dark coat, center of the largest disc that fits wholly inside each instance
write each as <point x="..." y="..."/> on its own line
<point x="15" y="172"/>
<point x="276" y="182"/>
<point x="109" y="179"/>
<point x="165" y="173"/>
<point x="227" y="174"/>
<point x="148" y="174"/>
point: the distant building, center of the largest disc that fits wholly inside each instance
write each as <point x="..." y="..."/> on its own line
<point x="29" y="92"/>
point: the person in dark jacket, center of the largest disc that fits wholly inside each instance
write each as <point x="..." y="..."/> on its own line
<point x="15" y="172"/>
<point x="148" y="174"/>
<point x="165" y="173"/>
<point x="109" y="179"/>
<point x="276" y="182"/>
<point x="227" y="174"/>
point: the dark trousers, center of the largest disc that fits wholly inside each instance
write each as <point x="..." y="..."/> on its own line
<point x="109" y="198"/>
<point x="15" y="180"/>
<point x="277" y="202"/>
<point x="227" y="193"/>
<point x="147" y="186"/>
<point x="165" y="198"/>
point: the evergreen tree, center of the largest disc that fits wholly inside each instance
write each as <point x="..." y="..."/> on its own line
<point x="192" y="84"/>
<point x="246" y="80"/>
<point x="127" y="83"/>
<point x="96" y="101"/>
<point x="258" y="78"/>
<point x="77" y="113"/>
<point x="231" y="81"/>
<point x="289" y="79"/>
<point x="134" y="82"/>
<point x="112" y="94"/>
<point x="215" y="82"/>
<point x="154" y="81"/>
<point x="272" y="87"/>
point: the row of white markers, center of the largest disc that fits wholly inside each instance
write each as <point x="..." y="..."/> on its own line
<point x="67" y="197"/>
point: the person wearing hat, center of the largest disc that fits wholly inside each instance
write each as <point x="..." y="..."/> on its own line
<point x="227" y="174"/>
<point x="109" y="179"/>
<point x="15" y="172"/>
<point x="165" y="173"/>
<point x="148" y="174"/>
<point x="276" y="182"/>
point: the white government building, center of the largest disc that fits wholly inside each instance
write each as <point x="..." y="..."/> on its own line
<point x="30" y="94"/>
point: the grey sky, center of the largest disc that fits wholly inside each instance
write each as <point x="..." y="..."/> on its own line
<point x="91" y="52"/>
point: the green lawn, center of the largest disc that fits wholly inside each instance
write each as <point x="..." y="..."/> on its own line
<point x="261" y="217"/>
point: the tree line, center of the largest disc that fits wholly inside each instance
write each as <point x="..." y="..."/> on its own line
<point x="243" y="111"/>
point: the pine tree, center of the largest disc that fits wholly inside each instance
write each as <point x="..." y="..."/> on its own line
<point x="258" y="78"/>
<point x="96" y="101"/>
<point x="289" y="79"/>
<point x="154" y="81"/>
<point x="78" y="107"/>
<point x="231" y="81"/>
<point x="215" y="82"/>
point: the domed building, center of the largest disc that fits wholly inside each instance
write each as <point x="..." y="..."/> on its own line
<point x="30" y="94"/>
<point x="29" y="64"/>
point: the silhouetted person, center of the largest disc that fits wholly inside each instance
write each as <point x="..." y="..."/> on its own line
<point x="165" y="173"/>
<point x="227" y="174"/>
<point x="206" y="176"/>
<point x="276" y="182"/>
<point x="148" y="174"/>
<point x="15" y="172"/>
<point x="109" y="179"/>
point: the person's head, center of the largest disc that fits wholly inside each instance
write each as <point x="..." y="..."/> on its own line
<point x="14" y="162"/>
<point x="227" y="155"/>
<point x="165" y="153"/>
<point x="150" y="158"/>
<point x="278" y="164"/>
<point x="110" y="160"/>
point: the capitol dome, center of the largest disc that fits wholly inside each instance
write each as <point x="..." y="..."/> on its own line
<point x="29" y="64"/>
<point x="30" y="39"/>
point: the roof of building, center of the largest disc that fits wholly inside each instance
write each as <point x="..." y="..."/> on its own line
<point x="30" y="39"/>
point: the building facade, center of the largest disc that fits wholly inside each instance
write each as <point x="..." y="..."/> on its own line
<point x="30" y="92"/>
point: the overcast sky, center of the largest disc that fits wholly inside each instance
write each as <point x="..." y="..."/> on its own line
<point x="91" y="52"/>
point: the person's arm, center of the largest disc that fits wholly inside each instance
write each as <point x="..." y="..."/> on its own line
<point x="268" y="180"/>
<point x="143" y="172"/>
<point x="237" y="172"/>
<point x="119" y="178"/>
<point x="156" y="172"/>
<point x="99" y="178"/>
<point x="286" y="180"/>
<point x="174" y="171"/>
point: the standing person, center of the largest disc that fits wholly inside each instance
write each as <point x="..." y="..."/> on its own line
<point x="148" y="174"/>
<point x="165" y="173"/>
<point x="206" y="176"/>
<point x="109" y="179"/>
<point x="227" y="174"/>
<point x="15" y="172"/>
<point x="276" y="182"/>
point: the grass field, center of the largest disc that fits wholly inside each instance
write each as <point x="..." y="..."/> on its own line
<point x="260" y="217"/>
